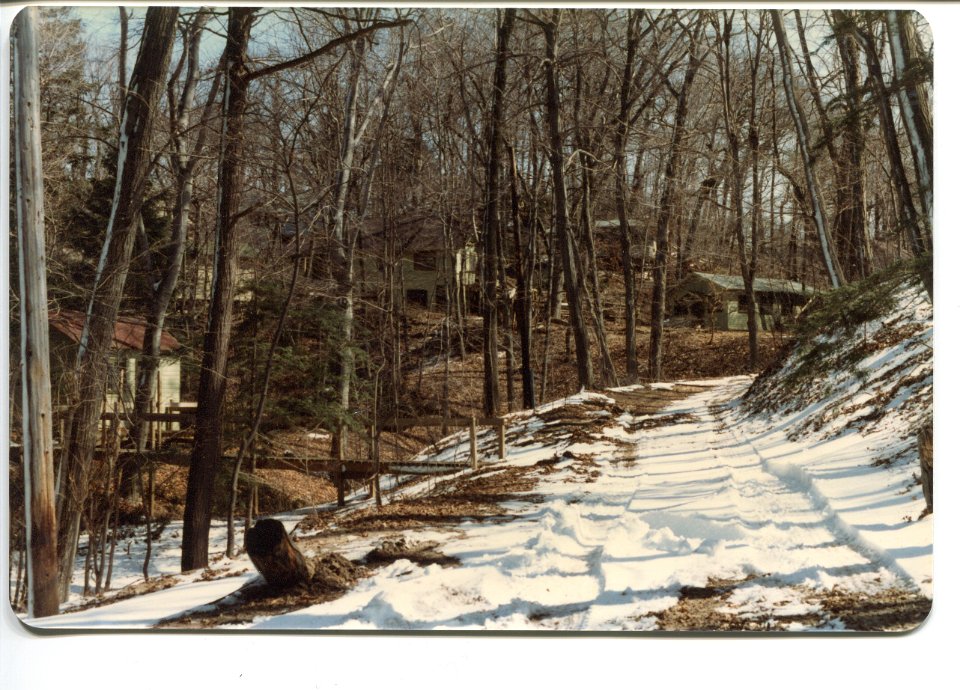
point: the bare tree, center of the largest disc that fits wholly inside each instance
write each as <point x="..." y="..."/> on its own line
<point x="910" y="73"/>
<point x="183" y="164"/>
<point x="133" y="162"/>
<point x="803" y="144"/>
<point x="208" y="437"/>
<point x="917" y="226"/>
<point x="666" y="209"/>
<point x="562" y="228"/>
<point x="491" y="219"/>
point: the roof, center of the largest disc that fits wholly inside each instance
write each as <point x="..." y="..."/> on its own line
<point x="735" y="283"/>
<point x="127" y="333"/>
<point x="613" y="223"/>
<point x="417" y="232"/>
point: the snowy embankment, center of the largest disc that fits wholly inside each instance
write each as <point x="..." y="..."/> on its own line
<point x="769" y="510"/>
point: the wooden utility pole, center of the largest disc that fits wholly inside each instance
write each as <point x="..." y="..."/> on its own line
<point x="40" y="505"/>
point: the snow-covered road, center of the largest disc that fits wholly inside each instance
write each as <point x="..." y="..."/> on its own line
<point x="630" y="522"/>
<point x="694" y="498"/>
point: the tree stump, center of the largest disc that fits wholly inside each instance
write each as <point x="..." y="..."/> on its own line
<point x="925" y="445"/>
<point x="275" y="556"/>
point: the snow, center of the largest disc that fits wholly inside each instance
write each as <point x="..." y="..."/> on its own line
<point x="717" y="496"/>
<point x="707" y="490"/>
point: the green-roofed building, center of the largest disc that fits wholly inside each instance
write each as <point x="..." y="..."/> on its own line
<point x="720" y="301"/>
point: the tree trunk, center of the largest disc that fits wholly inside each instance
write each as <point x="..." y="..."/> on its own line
<point x="491" y="221"/>
<point x="621" y="134"/>
<point x="665" y="213"/>
<point x="184" y="165"/>
<point x="274" y="555"/>
<point x="133" y="162"/>
<point x="909" y="71"/>
<point x="37" y="413"/>
<point x="803" y="143"/>
<point x="853" y="244"/>
<point x="561" y="211"/>
<point x="917" y="228"/>
<point x="523" y="303"/>
<point x="208" y="431"/>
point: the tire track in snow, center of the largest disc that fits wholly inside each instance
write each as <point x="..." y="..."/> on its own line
<point x="798" y="480"/>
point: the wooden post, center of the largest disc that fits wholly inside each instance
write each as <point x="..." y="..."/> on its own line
<point x="502" y="439"/>
<point x="340" y="478"/>
<point x="474" y="461"/>
<point x="39" y="508"/>
<point x="150" y="444"/>
<point x="341" y="489"/>
<point x="376" y="466"/>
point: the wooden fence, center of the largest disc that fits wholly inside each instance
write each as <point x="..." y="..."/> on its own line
<point x="181" y="416"/>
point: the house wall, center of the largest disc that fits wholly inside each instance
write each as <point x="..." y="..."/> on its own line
<point x="168" y="375"/>
<point x="463" y="265"/>
<point x="735" y="320"/>
<point x="427" y="281"/>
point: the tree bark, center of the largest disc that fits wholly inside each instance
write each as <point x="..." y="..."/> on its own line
<point x="561" y="210"/>
<point x="274" y="555"/>
<point x="803" y="143"/>
<point x="37" y="413"/>
<point x="664" y="214"/>
<point x="491" y="220"/>
<point x="208" y="431"/>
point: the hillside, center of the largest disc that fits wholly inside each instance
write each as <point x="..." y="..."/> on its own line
<point x="785" y="502"/>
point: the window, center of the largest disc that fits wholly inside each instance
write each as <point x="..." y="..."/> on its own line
<point x="425" y="261"/>
<point x="420" y="297"/>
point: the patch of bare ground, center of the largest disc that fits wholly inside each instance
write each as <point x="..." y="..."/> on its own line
<point x="706" y="609"/>
<point x="333" y="575"/>
<point x="689" y="353"/>
<point x="421" y="553"/>
<point x="891" y="610"/>
<point x="155" y="584"/>
<point x="644" y="401"/>
<point x="477" y="496"/>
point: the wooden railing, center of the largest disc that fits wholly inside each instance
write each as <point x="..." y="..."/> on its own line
<point x="447" y="422"/>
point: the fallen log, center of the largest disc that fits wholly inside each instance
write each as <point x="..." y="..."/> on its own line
<point x="275" y="556"/>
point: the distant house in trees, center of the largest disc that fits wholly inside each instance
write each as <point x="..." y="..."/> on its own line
<point x="607" y="235"/>
<point x="429" y="259"/>
<point x="66" y="328"/>
<point x="720" y="301"/>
